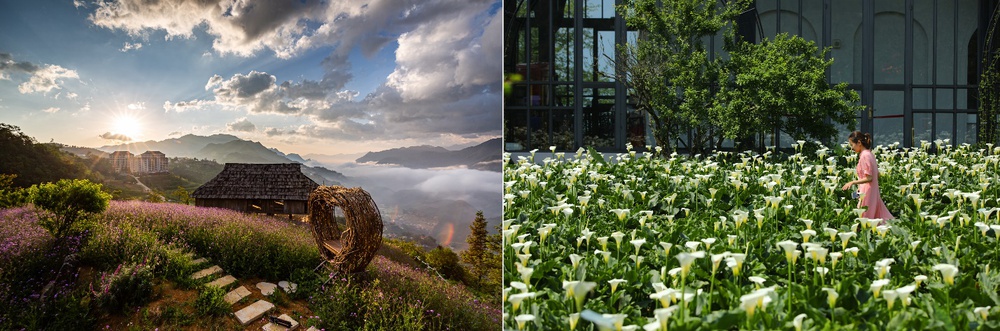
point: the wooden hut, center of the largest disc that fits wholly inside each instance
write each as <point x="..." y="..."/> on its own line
<point x="258" y="188"/>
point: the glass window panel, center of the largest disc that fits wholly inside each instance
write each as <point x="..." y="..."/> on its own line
<point x="637" y="130"/>
<point x="923" y="27"/>
<point x="945" y="99"/>
<point x="599" y="9"/>
<point x="922" y="98"/>
<point x="888" y="117"/>
<point x="563" y="130"/>
<point x="767" y="14"/>
<point x="967" y="128"/>
<point x="519" y="96"/>
<point x="846" y="39"/>
<point x="890" y="38"/>
<point x="565" y="67"/>
<point x="568" y="10"/>
<point x="945" y="41"/>
<point x="966" y="43"/>
<point x="944" y="127"/>
<point x="785" y="141"/>
<point x="538" y="125"/>
<point x="563" y="95"/>
<point x="922" y="125"/>
<point x="887" y="130"/>
<point x="591" y="54"/>
<point x="605" y="56"/>
<point x="812" y="21"/>
<point x="888" y="103"/>
<point x="962" y="101"/>
<point x="515" y="127"/>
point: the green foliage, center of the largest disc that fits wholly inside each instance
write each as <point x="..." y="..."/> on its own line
<point x="385" y="311"/>
<point x="127" y="286"/>
<point x="183" y="195"/>
<point x="483" y="255"/>
<point x="11" y="196"/>
<point x="668" y="71"/>
<point x="308" y="282"/>
<point x="69" y="201"/>
<point x="35" y="163"/>
<point x="781" y="83"/>
<point x="775" y="84"/>
<point x="337" y="308"/>
<point x="212" y="301"/>
<point x="446" y="262"/>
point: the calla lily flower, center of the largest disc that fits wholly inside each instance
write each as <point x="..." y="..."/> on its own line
<point x="614" y="284"/>
<point x="831" y="297"/>
<point x="621" y="213"/>
<point x="637" y="243"/>
<point x="758" y="281"/>
<point x="948" y="272"/>
<point x="686" y="259"/>
<point x="618" y="235"/>
<point x="890" y="297"/>
<point x="918" y="279"/>
<point x="515" y="300"/>
<point x="982" y="311"/>
<point x="878" y="284"/>
<point x="692" y="245"/>
<point x="708" y="242"/>
<point x="806" y="234"/>
<point x="904" y="294"/>
<point x="853" y="251"/>
<point x="603" y="241"/>
<point x="522" y="319"/>
<point x="797" y="322"/>
<point x="575" y="260"/>
<point x="845" y="237"/>
<point x="574" y="318"/>
<point x="666" y="248"/>
<point x="788" y="246"/>
<point x="832" y="232"/>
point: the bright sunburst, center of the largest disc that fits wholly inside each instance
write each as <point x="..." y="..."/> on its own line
<point x="127" y="125"/>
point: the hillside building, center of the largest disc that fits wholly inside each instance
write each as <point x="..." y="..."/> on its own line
<point x="150" y="162"/>
<point x="258" y="188"/>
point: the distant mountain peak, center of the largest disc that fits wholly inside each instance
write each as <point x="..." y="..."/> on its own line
<point x="484" y="156"/>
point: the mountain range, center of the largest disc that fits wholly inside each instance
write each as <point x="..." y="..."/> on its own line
<point x="485" y="156"/>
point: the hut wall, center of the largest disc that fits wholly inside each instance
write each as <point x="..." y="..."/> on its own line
<point x="234" y="204"/>
<point x="295" y="207"/>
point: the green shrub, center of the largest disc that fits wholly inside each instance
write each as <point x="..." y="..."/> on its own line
<point x="68" y="201"/>
<point x="212" y="301"/>
<point x="446" y="262"/>
<point x="308" y="283"/>
<point x="111" y="245"/>
<point x="338" y="307"/>
<point x="129" y="285"/>
<point x="386" y="308"/>
<point x="178" y="267"/>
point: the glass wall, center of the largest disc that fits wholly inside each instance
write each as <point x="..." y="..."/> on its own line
<point x="914" y="63"/>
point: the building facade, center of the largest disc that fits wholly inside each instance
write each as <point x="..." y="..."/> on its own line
<point x="150" y="162"/>
<point x="915" y="64"/>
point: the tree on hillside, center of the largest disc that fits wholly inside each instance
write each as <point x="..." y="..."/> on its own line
<point x="781" y="83"/>
<point x="10" y="196"/>
<point x="446" y="262"/>
<point x="35" y="163"/>
<point x="69" y="201"/>
<point x="477" y="240"/>
<point x="183" y="195"/>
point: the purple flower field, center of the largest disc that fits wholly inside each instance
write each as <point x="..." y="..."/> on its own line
<point x="245" y="245"/>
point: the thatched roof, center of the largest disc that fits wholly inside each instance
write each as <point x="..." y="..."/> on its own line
<point x="282" y="181"/>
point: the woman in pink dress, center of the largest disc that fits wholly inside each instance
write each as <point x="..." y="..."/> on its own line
<point x="867" y="182"/>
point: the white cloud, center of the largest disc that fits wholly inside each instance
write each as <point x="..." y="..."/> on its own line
<point x="46" y="79"/>
<point x="42" y="78"/>
<point x="130" y="47"/>
<point x="51" y="110"/>
<point x="115" y="136"/>
<point x="137" y="106"/>
<point x="79" y="3"/>
<point x="241" y="125"/>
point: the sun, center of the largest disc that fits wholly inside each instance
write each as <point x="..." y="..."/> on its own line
<point x="127" y="125"/>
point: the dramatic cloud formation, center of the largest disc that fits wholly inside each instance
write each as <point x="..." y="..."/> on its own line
<point x="115" y="136"/>
<point x="43" y="79"/>
<point x="241" y="125"/>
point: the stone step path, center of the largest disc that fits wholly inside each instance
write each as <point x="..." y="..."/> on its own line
<point x="206" y="272"/>
<point x="223" y="282"/>
<point x="254" y="311"/>
<point x="237" y="294"/>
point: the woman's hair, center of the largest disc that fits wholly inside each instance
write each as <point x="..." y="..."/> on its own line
<point x="864" y="138"/>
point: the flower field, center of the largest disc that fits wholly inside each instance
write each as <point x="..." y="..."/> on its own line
<point x="643" y="241"/>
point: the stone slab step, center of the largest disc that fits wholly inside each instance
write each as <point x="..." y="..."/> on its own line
<point x="199" y="261"/>
<point x="237" y="294"/>
<point x="207" y="271"/>
<point x="275" y="327"/>
<point x="266" y="288"/>
<point x="222" y="282"/>
<point x="253" y="312"/>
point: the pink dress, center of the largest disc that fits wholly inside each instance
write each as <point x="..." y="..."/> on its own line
<point x="870" y="194"/>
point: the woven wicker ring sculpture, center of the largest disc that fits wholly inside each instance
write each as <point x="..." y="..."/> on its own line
<point x="351" y="250"/>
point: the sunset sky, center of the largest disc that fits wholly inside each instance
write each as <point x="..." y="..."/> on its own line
<point x="303" y="76"/>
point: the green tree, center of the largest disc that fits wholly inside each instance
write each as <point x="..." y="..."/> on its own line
<point x="668" y="70"/>
<point x="446" y="262"/>
<point x="10" y="196"/>
<point x="781" y="83"/>
<point x="183" y="195"/>
<point x="68" y="201"/>
<point x="475" y="255"/>
<point x="758" y="87"/>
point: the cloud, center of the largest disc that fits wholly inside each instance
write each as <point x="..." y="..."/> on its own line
<point x="79" y="3"/>
<point x="43" y="78"/>
<point x="137" y="106"/>
<point x="175" y="133"/>
<point x="51" y="110"/>
<point x="130" y="47"/>
<point x="241" y="125"/>
<point x="445" y="83"/>
<point x="115" y="136"/>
